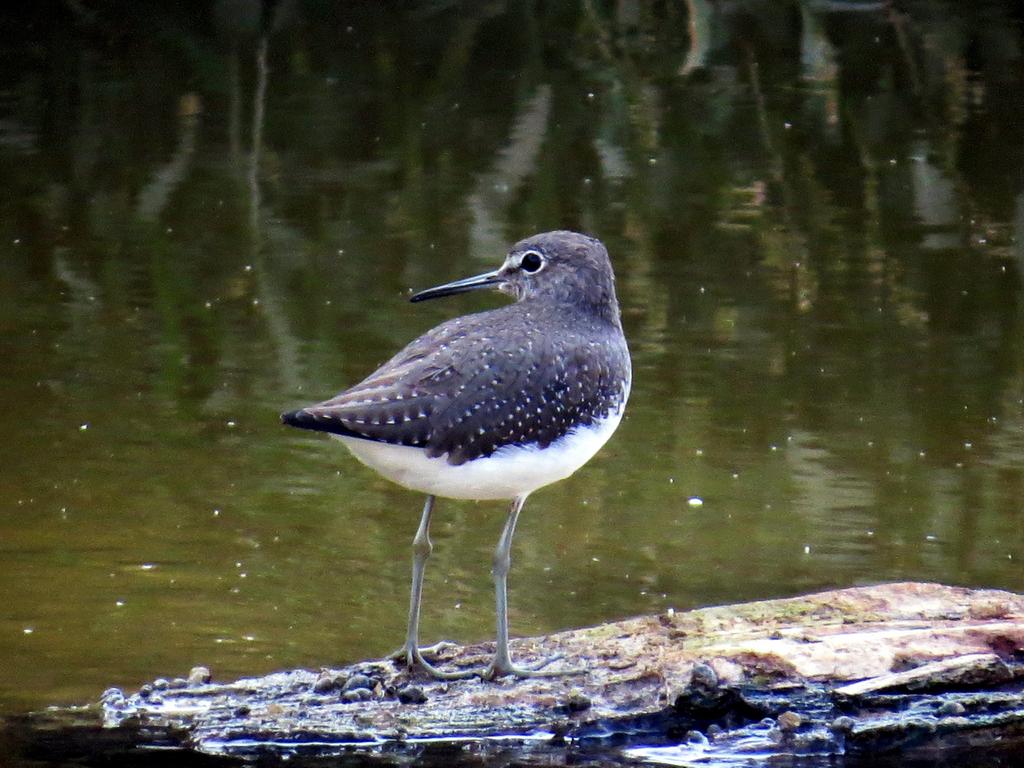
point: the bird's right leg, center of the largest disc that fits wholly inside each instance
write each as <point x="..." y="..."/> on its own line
<point x="421" y="549"/>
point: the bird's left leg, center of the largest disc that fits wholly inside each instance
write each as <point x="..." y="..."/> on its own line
<point x="502" y="663"/>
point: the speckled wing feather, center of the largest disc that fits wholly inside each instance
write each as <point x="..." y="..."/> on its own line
<point x="397" y="402"/>
<point x="439" y="392"/>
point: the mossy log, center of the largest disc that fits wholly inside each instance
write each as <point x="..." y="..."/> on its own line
<point x="898" y="668"/>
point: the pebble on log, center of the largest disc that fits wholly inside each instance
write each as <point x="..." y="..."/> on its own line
<point x="897" y="668"/>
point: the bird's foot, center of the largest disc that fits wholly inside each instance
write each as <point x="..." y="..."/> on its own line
<point x="425" y="651"/>
<point x="500" y="667"/>
<point x="413" y="658"/>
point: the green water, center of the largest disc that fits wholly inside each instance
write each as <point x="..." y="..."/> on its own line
<point x="815" y="217"/>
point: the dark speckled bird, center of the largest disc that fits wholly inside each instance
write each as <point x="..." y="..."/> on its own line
<point x="494" y="405"/>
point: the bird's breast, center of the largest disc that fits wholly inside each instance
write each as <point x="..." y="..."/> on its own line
<point x="512" y="470"/>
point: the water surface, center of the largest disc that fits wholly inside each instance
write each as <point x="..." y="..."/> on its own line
<point x="814" y="211"/>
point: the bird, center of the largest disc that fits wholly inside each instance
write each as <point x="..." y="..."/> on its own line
<point x="493" y="405"/>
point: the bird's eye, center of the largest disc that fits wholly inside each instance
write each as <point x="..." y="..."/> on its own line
<point x="531" y="261"/>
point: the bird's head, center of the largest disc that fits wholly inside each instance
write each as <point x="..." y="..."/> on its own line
<point x="563" y="266"/>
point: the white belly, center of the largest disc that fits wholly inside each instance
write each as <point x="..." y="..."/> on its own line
<point x="508" y="472"/>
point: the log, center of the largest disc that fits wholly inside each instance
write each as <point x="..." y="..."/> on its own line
<point x="905" y="669"/>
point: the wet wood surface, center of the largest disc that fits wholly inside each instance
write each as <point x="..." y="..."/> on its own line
<point x="893" y="669"/>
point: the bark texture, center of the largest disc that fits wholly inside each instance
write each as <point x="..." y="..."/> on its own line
<point x="908" y="669"/>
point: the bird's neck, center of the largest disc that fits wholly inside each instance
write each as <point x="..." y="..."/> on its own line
<point x="591" y="309"/>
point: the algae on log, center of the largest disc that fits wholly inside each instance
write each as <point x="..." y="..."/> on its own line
<point x="906" y="668"/>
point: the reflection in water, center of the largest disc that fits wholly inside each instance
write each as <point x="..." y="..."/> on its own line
<point x="267" y="296"/>
<point x="699" y="20"/>
<point x="153" y="198"/>
<point x="814" y="211"/>
<point x="259" y="101"/>
<point x="512" y="165"/>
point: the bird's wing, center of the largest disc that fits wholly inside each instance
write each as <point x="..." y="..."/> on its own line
<point x="441" y="392"/>
<point x="395" y="403"/>
<point x="517" y="391"/>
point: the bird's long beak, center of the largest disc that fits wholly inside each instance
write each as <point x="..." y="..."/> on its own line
<point x="486" y="280"/>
